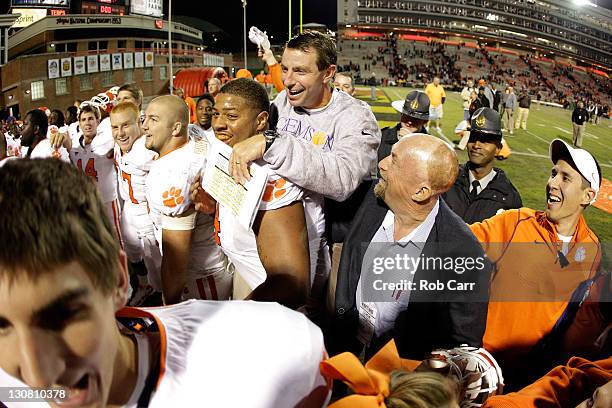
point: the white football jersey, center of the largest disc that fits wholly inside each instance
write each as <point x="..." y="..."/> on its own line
<point x="44" y="150"/>
<point x="167" y="189"/>
<point x="202" y="341"/>
<point x="238" y="242"/>
<point x="132" y="170"/>
<point x="201" y="356"/>
<point x="13" y="146"/>
<point x="93" y="160"/>
<point x="63" y="129"/>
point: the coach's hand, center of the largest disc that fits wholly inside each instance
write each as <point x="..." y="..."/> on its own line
<point x="244" y="153"/>
<point x="204" y="203"/>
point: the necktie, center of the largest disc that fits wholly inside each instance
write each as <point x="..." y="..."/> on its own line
<point x="474" y="191"/>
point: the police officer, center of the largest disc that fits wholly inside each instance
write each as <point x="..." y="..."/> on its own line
<point x="415" y="114"/>
<point x="480" y="189"/>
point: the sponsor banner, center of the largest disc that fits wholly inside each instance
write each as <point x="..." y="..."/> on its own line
<point x="79" y="65"/>
<point x="139" y="59"/>
<point x="66" y="67"/>
<point x="53" y="67"/>
<point x="153" y="8"/>
<point x="28" y="16"/>
<point x="128" y="60"/>
<point x="92" y="63"/>
<point x="149" y="59"/>
<point x="41" y="3"/>
<point x="105" y="62"/>
<point x="117" y="61"/>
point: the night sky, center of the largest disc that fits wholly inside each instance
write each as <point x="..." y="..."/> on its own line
<point x="268" y="15"/>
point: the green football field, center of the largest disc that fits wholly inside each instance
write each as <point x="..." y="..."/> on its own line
<point x="529" y="166"/>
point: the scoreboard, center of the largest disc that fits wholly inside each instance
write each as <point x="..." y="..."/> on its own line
<point x="116" y="7"/>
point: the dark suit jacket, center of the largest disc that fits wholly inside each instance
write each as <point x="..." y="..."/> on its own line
<point x="427" y="323"/>
<point x="500" y="193"/>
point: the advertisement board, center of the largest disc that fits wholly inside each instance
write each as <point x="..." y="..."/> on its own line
<point x="41" y="3"/>
<point x="153" y="8"/>
<point x="28" y="16"/>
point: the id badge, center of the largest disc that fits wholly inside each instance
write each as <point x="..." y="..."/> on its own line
<point x="367" y="322"/>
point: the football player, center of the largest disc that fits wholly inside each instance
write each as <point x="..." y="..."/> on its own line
<point x="63" y="285"/>
<point x="133" y="162"/>
<point x="91" y="151"/>
<point x="192" y="266"/>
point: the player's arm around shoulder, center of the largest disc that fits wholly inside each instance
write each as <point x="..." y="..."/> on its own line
<point x="282" y="243"/>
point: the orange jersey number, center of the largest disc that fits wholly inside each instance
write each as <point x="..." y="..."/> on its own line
<point x="90" y="168"/>
<point x="128" y="178"/>
<point x="217" y="225"/>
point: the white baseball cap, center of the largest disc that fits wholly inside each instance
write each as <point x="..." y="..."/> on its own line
<point x="584" y="161"/>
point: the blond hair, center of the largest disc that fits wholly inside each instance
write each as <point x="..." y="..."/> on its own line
<point x="127" y="107"/>
<point x="421" y="390"/>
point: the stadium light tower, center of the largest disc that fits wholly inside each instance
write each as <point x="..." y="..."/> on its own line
<point x="170" y="47"/>
<point x="244" y="3"/>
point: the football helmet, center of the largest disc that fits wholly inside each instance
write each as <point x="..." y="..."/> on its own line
<point x="474" y="369"/>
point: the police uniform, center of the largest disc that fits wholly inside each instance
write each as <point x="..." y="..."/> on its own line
<point x="492" y="193"/>
<point x="415" y="106"/>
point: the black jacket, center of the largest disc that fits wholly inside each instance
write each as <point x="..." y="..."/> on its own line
<point x="579" y="116"/>
<point x="496" y="100"/>
<point x="499" y="194"/>
<point x="425" y="324"/>
<point x="524" y="101"/>
<point x="389" y="138"/>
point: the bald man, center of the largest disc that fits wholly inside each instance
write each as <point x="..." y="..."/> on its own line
<point x="214" y="86"/>
<point x="193" y="266"/>
<point x="404" y="271"/>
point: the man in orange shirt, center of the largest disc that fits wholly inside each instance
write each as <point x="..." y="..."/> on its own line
<point x="437" y="97"/>
<point x="193" y="118"/>
<point x="261" y="77"/>
<point x="580" y="383"/>
<point x="542" y="258"/>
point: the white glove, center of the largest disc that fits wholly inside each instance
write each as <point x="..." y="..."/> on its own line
<point x="259" y="38"/>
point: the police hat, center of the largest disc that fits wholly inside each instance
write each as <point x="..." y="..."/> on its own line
<point x="416" y="105"/>
<point x="486" y="122"/>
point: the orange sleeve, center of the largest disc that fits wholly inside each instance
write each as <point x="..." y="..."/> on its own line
<point x="192" y="110"/>
<point x="495" y="230"/>
<point x="277" y="80"/>
<point x="563" y="386"/>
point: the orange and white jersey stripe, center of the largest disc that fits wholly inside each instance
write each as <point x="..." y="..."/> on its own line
<point x="204" y="357"/>
<point x="132" y="170"/>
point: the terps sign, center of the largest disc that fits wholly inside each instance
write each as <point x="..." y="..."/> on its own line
<point x="87" y="20"/>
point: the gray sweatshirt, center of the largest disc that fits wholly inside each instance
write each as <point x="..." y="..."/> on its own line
<point x="510" y="101"/>
<point x="329" y="150"/>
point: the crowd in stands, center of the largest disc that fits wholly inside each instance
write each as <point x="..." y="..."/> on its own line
<point x="415" y="63"/>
